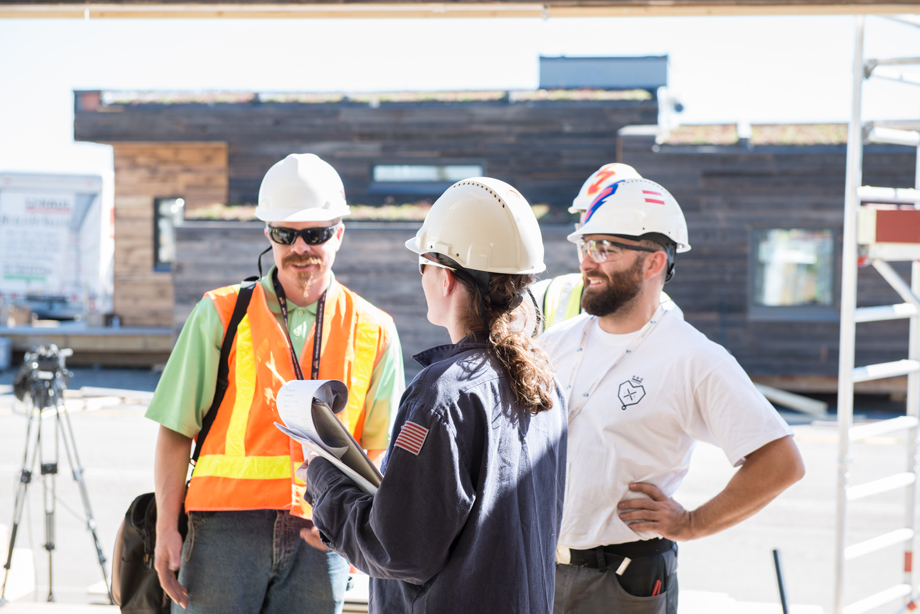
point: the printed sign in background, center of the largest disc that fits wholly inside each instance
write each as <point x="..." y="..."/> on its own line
<point x="51" y="239"/>
<point x="35" y="242"/>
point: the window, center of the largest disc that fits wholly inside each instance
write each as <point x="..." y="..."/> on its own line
<point x="168" y="213"/>
<point x="426" y="172"/>
<point x="419" y="178"/>
<point x="793" y="272"/>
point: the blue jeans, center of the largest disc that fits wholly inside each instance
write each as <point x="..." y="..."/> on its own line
<point x="255" y="561"/>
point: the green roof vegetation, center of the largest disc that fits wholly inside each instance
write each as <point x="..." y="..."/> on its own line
<point x="583" y="94"/>
<point x="373" y="98"/>
<point x="405" y="212"/>
<point x="799" y="134"/>
<point x="761" y="134"/>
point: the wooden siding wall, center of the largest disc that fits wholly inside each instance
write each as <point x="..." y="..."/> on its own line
<point x="725" y="192"/>
<point x="144" y="172"/>
<point x="545" y="149"/>
<point x="373" y="262"/>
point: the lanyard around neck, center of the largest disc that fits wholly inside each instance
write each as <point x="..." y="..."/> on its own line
<point x="317" y="334"/>
<point x="575" y="407"/>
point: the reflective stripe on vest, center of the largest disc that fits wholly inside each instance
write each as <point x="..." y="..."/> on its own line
<point x="246" y="462"/>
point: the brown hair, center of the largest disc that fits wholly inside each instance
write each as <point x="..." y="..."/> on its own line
<point x="527" y="365"/>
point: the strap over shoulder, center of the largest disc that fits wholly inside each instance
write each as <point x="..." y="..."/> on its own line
<point x="223" y="370"/>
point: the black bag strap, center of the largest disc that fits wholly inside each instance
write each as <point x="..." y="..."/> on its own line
<point x="223" y="370"/>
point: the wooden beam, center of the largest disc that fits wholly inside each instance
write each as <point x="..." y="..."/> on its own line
<point x="462" y="9"/>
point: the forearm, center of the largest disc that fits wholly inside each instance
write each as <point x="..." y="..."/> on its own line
<point x="340" y="511"/>
<point x="370" y="532"/>
<point x="169" y="473"/>
<point x="766" y="473"/>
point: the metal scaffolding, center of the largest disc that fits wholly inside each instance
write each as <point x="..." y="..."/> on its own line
<point x="873" y="235"/>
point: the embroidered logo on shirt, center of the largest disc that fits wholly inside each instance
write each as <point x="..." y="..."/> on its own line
<point x="631" y="392"/>
<point x="411" y="437"/>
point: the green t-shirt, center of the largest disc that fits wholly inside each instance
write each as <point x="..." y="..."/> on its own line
<point x="186" y="389"/>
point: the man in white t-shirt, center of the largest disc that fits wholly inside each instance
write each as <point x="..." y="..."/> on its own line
<point x="643" y="386"/>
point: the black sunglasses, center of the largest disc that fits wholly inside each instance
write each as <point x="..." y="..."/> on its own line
<point x="310" y="236"/>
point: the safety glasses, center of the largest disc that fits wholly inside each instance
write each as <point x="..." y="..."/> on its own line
<point x="422" y="261"/>
<point x="310" y="236"/>
<point x="607" y="251"/>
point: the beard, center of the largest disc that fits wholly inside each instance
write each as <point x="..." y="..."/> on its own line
<point x="621" y="288"/>
<point x="304" y="279"/>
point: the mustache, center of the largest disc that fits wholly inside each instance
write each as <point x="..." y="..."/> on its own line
<point x="300" y="260"/>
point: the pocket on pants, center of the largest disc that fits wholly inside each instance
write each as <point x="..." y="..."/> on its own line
<point x="631" y="604"/>
<point x="195" y="520"/>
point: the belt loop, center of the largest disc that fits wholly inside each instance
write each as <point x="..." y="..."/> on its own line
<point x="601" y="559"/>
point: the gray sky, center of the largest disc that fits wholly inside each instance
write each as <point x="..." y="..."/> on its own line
<point x="724" y="69"/>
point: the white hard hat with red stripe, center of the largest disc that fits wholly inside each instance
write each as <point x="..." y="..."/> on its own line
<point x="600" y="180"/>
<point x="634" y="208"/>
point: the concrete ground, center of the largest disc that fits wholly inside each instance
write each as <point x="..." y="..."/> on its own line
<point x="730" y="572"/>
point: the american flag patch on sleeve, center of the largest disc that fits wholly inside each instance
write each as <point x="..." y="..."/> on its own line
<point x="411" y="437"/>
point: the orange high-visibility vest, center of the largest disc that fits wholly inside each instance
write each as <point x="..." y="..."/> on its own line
<point x="246" y="462"/>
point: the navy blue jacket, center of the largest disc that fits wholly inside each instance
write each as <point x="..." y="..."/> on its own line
<point x="470" y="523"/>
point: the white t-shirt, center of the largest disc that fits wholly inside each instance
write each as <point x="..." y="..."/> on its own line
<point x="642" y="422"/>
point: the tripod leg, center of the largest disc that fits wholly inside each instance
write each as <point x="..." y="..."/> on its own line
<point x="70" y="445"/>
<point x="25" y="477"/>
<point x="49" y="470"/>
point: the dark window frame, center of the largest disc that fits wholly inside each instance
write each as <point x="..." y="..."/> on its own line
<point x="794" y="313"/>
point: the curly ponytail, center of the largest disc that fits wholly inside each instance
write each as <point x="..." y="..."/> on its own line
<point x="506" y="315"/>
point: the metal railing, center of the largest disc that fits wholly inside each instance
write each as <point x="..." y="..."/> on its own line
<point x="900" y="132"/>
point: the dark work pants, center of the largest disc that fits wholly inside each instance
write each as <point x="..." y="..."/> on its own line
<point x="586" y="590"/>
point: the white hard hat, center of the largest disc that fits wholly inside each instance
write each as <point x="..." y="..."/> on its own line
<point x="483" y="224"/>
<point x="632" y="208"/>
<point x="301" y="188"/>
<point x="599" y="181"/>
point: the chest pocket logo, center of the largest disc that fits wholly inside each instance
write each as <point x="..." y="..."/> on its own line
<point x="631" y="392"/>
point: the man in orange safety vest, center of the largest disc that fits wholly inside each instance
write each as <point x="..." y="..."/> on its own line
<point x="244" y="552"/>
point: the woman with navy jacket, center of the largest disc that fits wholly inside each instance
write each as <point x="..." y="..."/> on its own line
<point x="468" y="513"/>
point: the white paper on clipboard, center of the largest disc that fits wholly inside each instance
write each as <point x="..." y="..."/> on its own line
<point x="362" y="483"/>
<point x="308" y="408"/>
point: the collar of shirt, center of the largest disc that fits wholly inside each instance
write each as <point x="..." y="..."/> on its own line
<point x="474" y="341"/>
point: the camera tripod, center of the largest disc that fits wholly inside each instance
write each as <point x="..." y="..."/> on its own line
<point x="40" y="385"/>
